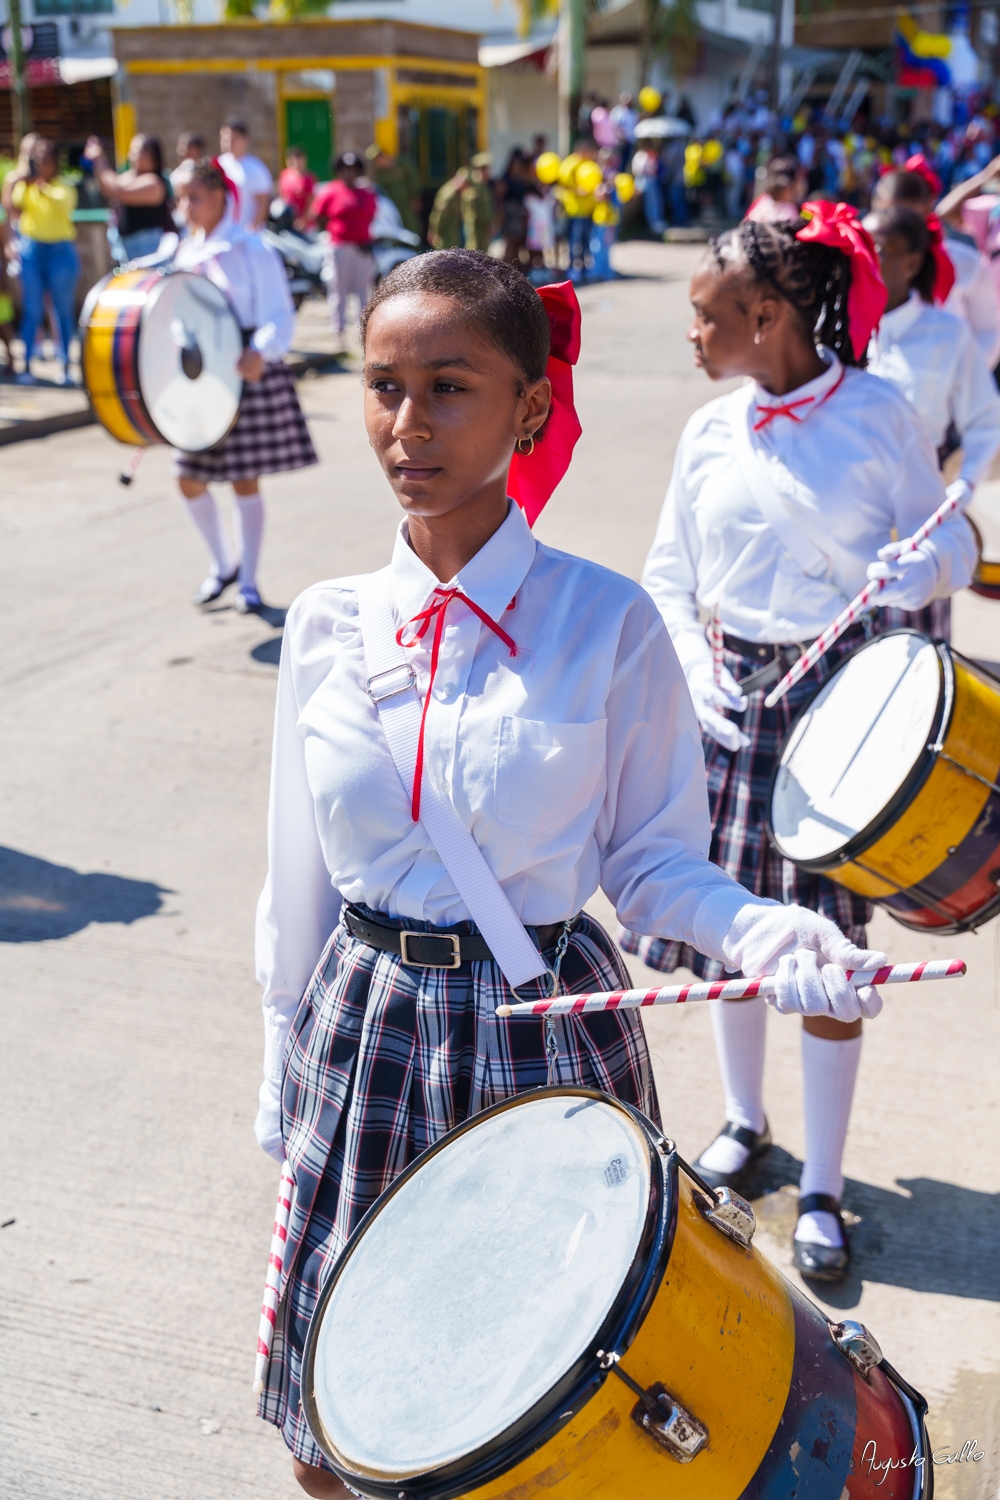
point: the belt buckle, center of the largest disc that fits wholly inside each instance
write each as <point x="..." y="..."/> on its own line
<point x="414" y="963"/>
<point x="390" y="689"/>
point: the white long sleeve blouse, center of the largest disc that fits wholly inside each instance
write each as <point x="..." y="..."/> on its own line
<point x="575" y="764"/>
<point x="930" y="355"/>
<point x="851" y="466"/>
<point x="252" y="278"/>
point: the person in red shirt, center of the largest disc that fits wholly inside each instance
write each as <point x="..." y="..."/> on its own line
<point x="296" y="185"/>
<point x="346" y="211"/>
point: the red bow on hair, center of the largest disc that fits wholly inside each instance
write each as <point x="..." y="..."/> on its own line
<point x="231" y="187"/>
<point x="918" y="163"/>
<point x="837" y="225"/>
<point x="534" y="476"/>
<point x="944" y="269"/>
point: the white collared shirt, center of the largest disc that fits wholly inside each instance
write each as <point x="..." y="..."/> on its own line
<point x="252" y="277"/>
<point x="577" y="763"/>
<point x="974" y="295"/>
<point x="252" y="178"/>
<point x="930" y="355"/>
<point x="855" y="468"/>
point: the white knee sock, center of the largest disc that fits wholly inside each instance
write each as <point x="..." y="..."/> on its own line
<point x="248" y="519"/>
<point x="739" y="1027"/>
<point x="829" y="1070"/>
<point x="205" y="514"/>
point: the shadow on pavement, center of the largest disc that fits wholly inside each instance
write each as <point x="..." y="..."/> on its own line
<point x="40" y="901"/>
<point x="930" y="1236"/>
<point x="268" y="652"/>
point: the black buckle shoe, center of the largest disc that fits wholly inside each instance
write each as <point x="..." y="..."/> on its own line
<point x="756" y="1144"/>
<point x="822" y="1262"/>
<point x="211" y="590"/>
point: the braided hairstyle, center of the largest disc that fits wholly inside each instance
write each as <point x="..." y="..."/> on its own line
<point x="813" y="278"/>
<point x="911" y="228"/>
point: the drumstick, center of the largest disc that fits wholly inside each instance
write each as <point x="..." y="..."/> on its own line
<point x="857" y="607"/>
<point x="128" y="473"/>
<point x="722" y="989"/>
<point x="718" y="645"/>
<point x="272" y="1286"/>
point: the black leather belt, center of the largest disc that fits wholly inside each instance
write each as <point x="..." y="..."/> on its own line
<point x="774" y="659"/>
<point x="439" y="948"/>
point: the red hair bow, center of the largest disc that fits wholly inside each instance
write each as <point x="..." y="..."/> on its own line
<point x="918" y="163"/>
<point x="944" y="269"/>
<point x="838" y="225"/>
<point x="231" y="187"/>
<point x="534" y="476"/>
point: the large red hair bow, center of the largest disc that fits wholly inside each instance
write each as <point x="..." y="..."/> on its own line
<point x="944" y="267"/>
<point x="534" y="476"/>
<point x="231" y="187"/>
<point x="838" y="225"/>
<point x="918" y="163"/>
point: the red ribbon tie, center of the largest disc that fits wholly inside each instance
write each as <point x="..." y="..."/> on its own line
<point x="419" y="625"/>
<point x="768" y="413"/>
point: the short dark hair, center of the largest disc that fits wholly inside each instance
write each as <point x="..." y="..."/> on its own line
<point x="209" y="174"/>
<point x="348" y="159"/>
<point x="905" y="187"/>
<point x="815" y="279"/>
<point x="237" y="123"/>
<point x="498" y="300"/>
<point x="911" y="227"/>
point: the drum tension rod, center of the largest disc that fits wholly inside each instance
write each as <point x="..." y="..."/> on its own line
<point x="660" y="1414"/>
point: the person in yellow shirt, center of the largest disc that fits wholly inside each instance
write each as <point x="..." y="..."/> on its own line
<point x="49" y="262"/>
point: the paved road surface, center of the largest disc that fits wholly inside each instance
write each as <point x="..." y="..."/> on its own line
<point x="135" y="731"/>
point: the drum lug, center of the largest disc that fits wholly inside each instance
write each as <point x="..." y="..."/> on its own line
<point x="856" y="1344"/>
<point x="660" y="1414"/>
<point x="730" y="1214"/>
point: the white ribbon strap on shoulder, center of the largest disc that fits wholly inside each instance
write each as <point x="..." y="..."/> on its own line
<point x="392" y="687"/>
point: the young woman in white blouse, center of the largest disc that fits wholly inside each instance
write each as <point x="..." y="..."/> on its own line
<point x="929" y="354"/>
<point x="270" y="432"/>
<point x="550" y="721"/>
<point x="783" y="494"/>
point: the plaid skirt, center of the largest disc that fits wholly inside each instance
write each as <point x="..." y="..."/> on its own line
<point x="934" y="620"/>
<point x="269" y="434"/>
<point x="738" y="787"/>
<point x="381" y="1061"/>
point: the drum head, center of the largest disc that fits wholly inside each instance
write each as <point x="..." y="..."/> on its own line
<point x="189" y="345"/>
<point x="478" y="1285"/>
<point x="855" y="746"/>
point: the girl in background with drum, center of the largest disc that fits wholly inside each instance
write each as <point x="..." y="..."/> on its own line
<point x="930" y="355"/>
<point x="556" y="723"/>
<point x="783" y="493"/>
<point x="270" y="432"/>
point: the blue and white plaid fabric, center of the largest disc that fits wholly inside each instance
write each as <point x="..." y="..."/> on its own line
<point x="381" y="1061"/>
<point x="738" y="789"/>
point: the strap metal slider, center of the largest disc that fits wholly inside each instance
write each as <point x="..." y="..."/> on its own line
<point x="391" y="682"/>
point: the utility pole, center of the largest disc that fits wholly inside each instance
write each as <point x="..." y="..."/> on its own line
<point x="784" y="35"/>
<point x="572" y="58"/>
<point x="20" y="104"/>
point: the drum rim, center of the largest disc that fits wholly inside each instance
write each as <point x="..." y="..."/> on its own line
<point x="909" y="787"/>
<point x="581" y="1381"/>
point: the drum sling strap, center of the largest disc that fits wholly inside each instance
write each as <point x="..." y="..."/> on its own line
<point x="392" y="688"/>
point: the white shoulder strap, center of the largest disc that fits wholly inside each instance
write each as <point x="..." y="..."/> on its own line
<point x="786" y="526"/>
<point x="392" y="687"/>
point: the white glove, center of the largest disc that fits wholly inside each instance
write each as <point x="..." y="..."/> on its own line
<point x="913" y="574"/>
<point x="711" y="699"/>
<point x="267" y="1126"/>
<point x="961" y="491"/>
<point x="787" y="941"/>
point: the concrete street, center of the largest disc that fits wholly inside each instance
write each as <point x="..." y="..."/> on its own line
<point x="135" y="1205"/>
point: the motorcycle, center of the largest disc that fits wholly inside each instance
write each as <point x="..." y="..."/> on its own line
<point x="392" y="242"/>
<point x="302" y="253"/>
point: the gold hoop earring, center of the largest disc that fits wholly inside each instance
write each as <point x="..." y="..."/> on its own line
<point x="530" y="440"/>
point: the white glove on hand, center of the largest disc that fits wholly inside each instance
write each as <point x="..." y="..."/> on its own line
<point x="788" y="942"/>
<point x="267" y="1126"/>
<point x="711" y="699"/>
<point x="913" y="575"/>
<point x="961" y="491"/>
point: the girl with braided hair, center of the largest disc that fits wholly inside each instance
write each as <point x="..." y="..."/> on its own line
<point x="783" y="493"/>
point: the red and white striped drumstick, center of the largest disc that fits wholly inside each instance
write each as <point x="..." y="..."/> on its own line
<point x="272" y="1287"/>
<point x="723" y="989"/>
<point x="857" y="607"/>
<point x="718" y="645"/>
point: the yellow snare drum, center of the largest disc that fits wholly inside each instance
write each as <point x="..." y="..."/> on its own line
<point x="548" y="1303"/>
<point x="159" y="359"/>
<point x="986" y="578"/>
<point x="889" y="783"/>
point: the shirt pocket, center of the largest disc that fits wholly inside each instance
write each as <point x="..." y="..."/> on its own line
<point x="546" y="774"/>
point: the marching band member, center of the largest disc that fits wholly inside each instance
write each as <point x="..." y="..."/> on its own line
<point x="270" y="432"/>
<point x="929" y="354"/>
<point x="555" y="728"/>
<point x="781" y="493"/>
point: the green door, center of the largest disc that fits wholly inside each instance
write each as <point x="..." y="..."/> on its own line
<point x="309" y="124"/>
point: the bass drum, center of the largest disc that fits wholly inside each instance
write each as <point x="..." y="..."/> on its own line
<point x="159" y="359"/>
<point x="549" y="1302"/>
<point x="889" y="783"/>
